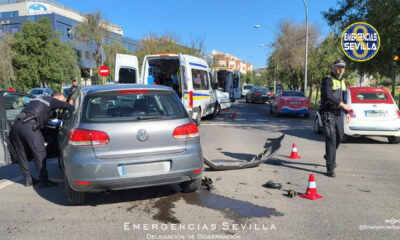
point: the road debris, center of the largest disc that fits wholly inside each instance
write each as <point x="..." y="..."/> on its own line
<point x="206" y="183"/>
<point x="271" y="147"/>
<point x="291" y="193"/>
<point x="273" y="185"/>
<point x="219" y="178"/>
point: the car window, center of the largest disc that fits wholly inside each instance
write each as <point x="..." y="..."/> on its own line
<point x="123" y="106"/>
<point x="370" y="97"/>
<point x="200" y="79"/>
<point x="36" y="91"/>
<point x="14" y="103"/>
<point x="127" y="75"/>
<point x="292" y="93"/>
<point x="248" y="87"/>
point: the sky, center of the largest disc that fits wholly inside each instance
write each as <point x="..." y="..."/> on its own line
<point x="224" y="25"/>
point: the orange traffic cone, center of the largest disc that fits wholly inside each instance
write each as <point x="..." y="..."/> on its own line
<point x="311" y="189"/>
<point x="294" y="154"/>
<point x="234" y="115"/>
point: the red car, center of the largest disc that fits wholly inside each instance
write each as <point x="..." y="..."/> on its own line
<point x="290" y="102"/>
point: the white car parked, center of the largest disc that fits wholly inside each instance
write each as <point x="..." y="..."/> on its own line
<point x="373" y="113"/>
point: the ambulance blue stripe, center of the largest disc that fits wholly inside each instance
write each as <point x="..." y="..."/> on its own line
<point x="198" y="65"/>
<point x="198" y="94"/>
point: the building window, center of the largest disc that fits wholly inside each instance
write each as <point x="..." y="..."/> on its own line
<point x="94" y="56"/>
<point x="79" y="53"/>
<point x="69" y="33"/>
<point x="14" y="30"/>
<point x="9" y="14"/>
<point x="87" y="56"/>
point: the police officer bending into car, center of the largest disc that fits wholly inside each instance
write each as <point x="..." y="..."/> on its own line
<point x="333" y="98"/>
<point x="28" y="138"/>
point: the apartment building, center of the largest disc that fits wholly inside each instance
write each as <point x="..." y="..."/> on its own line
<point x="227" y="60"/>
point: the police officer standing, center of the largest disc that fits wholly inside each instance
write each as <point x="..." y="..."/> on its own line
<point x="27" y="137"/>
<point x="73" y="88"/>
<point x="333" y="98"/>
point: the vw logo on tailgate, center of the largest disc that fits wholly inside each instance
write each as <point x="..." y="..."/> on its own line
<point x="142" y="135"/>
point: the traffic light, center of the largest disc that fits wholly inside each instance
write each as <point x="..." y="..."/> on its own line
<point x="396" y="56"/>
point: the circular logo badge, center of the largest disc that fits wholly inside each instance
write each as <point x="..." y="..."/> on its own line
<point x="360" y="41"/>
<point x="142" y="135"/>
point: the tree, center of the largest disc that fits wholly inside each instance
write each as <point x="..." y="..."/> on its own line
<point x="6" y="54"/>
<point x="289" y="50"/>
<point x="111" y="51"/>
<point x="383" y="15"/>
<point x="94" y="30"/>
<point x="41" y="58"/>
<point x="168" y="42"/>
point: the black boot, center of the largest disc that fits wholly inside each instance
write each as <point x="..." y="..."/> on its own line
<point x="47" y="183"/>
<point x="330" y="173"/>
<point x="28" y="182"/>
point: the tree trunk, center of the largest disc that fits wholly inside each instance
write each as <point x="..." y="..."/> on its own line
<point x="317" y="95"/>
<point x="311" y="90"/>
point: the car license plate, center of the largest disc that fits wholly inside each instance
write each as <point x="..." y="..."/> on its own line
<point x="144" y="169"/>
<point x="295" y="103"/>
<point x="375" y="114"/>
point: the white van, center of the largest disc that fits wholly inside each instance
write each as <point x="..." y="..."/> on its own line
<point x="228" y="81"/>
<point x="187" y="75"/>
<point x="126" y="69"/>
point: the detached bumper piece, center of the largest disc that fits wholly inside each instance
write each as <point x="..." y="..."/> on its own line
<point x="271" y="147"/>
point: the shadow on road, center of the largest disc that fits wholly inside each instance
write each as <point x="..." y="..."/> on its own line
<point x="289" y="164"/>
<point x="304" y="133"/>
<point x="366" y="140"/>
<point x="240" y="156"/>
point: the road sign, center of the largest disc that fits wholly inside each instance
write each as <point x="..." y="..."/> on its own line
<point x="104" y="71"/>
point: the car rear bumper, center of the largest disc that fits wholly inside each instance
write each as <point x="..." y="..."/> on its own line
<point x="292" y="110"/>
<point x="106" y="174"/>
<point x="384" y="129"/>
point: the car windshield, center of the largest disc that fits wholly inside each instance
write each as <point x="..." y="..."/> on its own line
<point x="292" y="94"/>
<point x="36" y="91"/>
<point x="261" y="90"/>
<point x="248" y="87"/>
<point x="131" y="105"/>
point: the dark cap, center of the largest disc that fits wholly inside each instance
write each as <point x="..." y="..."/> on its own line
<point x="74" y="80"/>
<point x="339" y="63"/>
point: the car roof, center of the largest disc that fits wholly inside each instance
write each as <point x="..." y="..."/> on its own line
<point x="115" y="87"/>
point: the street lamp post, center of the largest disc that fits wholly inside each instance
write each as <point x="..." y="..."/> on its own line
<point x="305" y="64"/>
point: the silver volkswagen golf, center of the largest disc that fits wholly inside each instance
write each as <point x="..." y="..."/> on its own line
<point x="128" y="136"/>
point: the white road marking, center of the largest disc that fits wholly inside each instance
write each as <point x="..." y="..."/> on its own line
<point x="7" y="183"/>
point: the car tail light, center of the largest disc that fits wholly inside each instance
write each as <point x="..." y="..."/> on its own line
<point x="270" y="94"/>
<point x="257" y="93"/>
<point x="352" y="114"/>
<point x="190" y="99"/>
<point x="132" y="91"/>
<point x="198" y="170"/>
<point x="186" y="131"/>
<point x="398" y="113"/>
<point x="82" y="183"/>
<point x="84" y="137"/>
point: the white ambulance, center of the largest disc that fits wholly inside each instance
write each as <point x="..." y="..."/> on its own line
<point x="228" y="81"/>
<point x="187" y="75"/>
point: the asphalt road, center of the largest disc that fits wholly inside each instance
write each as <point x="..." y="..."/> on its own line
<point x="357" y="204"/>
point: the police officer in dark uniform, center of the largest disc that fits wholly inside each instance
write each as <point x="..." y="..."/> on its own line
<point x="27" y="137"/>
<point x="73" y="89"/>
<point x="333" y="98"/>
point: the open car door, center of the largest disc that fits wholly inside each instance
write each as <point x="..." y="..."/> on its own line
<point x="11" y="104"/>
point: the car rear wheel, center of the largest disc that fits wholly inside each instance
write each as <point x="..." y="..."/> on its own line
<point x="394" y="140"/>
<point x="317" y="129"/>
<point x="247" y="99"/>
<point x="198" y="118"/>
<point x="72" y="197"/>
<point x="14" y="105"/>
<point x="191" y="186"/>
